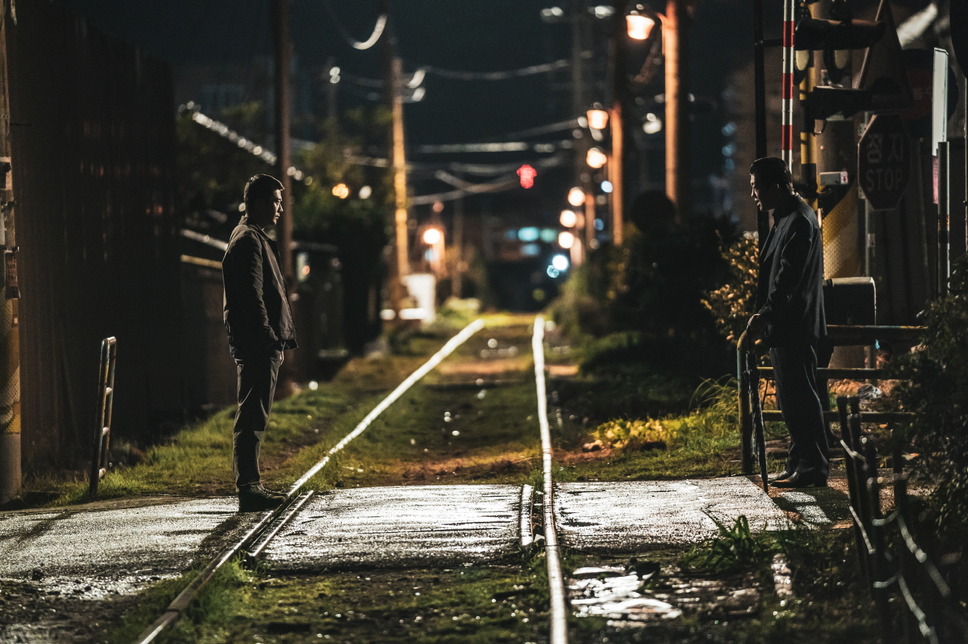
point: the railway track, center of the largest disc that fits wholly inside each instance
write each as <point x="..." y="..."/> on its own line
<point x="260" y="537"/>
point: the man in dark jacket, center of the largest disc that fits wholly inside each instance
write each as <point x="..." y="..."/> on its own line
<point x="260" y="328"/>
<point x="790" y="317"/>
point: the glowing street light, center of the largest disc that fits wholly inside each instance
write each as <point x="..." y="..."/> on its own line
<point x="566" y="239"/>
<point x="568" y="218"/>
<point x="597" y="117"/>
<point x="576" y="196"/>
<point x="432" y="236"/>
<point x="639" y="25"/>
<point x="595" y="158"/>
<point x="652" y="124"/>
<point x="341" y="191"/>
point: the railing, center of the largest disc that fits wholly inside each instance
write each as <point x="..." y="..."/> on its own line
<point x="102" y="434"/>
<point x="890" y="557"/>
<point x="752" y="416"/>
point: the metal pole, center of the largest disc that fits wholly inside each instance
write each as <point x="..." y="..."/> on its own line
<point x="759" y="100"/>
<point x="787" y="84"/>
<point x="585" y="226"/>
<point x="944" y="215"/>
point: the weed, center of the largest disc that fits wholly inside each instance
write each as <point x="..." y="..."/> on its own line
<point x="733" y="549"/>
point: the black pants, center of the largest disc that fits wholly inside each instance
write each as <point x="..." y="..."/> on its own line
<point x="795" y="372"/>
<point x="257" y="377"/>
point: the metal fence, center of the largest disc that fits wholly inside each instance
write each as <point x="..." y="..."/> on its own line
<point x="898" y="570"/>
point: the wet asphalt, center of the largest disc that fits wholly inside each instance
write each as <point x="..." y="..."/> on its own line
<point x="122" y="549"/>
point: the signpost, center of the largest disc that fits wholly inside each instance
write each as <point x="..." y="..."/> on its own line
<point x="883" y="160"/>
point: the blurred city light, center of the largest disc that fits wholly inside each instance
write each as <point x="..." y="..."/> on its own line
<point x="652" y="124"/>
<point x="595" y="158"/>
<point x="568" y="218"/>
<point x="432" y="236"/>
<point x="341" y="191"/>
<point x="365" y="192"/>
<point x="576" y="196"/>
<point x="566" y="239"/>
<point x="607" y="186"/>
<point x="528" y="234"/>
<point x="597" y="117"/>
<point x="560" y="262"/>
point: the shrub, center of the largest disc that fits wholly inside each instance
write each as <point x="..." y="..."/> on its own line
<point x="731" y="305"/>
<point x="935" y="374"/>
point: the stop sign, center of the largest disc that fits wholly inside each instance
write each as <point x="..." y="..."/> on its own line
<point x="883" y="161"/>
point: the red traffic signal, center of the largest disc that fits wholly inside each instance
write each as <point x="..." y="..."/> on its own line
<point x="526" y="175"/>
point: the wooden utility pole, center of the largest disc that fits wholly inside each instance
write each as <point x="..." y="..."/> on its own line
<point x="399" y="170"/>
<point x="620" y="91"/>
<point x="675" y="45"/>
<point x="10" y="472"/>
<point x="283" y="147"/>
<point x="393" y="71"/>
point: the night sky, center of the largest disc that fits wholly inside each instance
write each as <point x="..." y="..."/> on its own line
<point x="488" y="36"/>
<point x="494" y="35"/>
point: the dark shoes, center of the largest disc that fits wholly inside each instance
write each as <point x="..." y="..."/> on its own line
<point x="784" y="475"/>
<point x="805" y="478"/>
<point x="255" y="498"/>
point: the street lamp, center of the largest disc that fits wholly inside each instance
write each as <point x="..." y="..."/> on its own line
<point x="597" y="117"/>
<point x="595" y="158"/>
<point x="576" y="196"/>
<point x="640" y="23"/>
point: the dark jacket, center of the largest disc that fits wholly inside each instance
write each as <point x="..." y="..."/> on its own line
<point x="790" y="286"/>
<point x="256" y="309"/>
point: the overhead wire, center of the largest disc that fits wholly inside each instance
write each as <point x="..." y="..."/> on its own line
<point x="378" y="29"/>
<point x="463" y="188"/>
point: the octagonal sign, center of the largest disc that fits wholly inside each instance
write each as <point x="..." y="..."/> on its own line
<point x="884" y="161"/>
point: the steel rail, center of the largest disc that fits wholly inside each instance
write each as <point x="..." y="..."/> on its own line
<point x="186" y="597"/>
<point x="556" y="580"/>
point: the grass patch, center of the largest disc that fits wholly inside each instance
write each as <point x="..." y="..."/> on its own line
<point x="197" y="460"/>
<point x="472" y="420"/>
<point x="702" y="442"/>
<point x="467" y="604"/>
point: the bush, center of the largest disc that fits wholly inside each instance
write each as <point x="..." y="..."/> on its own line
<point x="731" y="305"/>
<point x="935" y="374"/>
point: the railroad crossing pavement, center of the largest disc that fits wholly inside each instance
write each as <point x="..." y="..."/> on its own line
<point x="630" y="515"/>
<point x="406" y="525"/>
<point x="107" y="548"/>
<point x="113" y="548"/>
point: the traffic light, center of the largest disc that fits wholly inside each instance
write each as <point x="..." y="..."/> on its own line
<point x="836" y="38"/>
<point x="526" y="175"/>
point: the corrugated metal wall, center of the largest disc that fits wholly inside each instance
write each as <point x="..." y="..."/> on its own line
<point x="92" y="127"/>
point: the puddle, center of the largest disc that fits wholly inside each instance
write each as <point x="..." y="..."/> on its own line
<point x="630" y="598"/>
<point x="613" y="593"/>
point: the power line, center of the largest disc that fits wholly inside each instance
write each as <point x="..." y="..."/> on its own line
<point x="378" y="29"/>
<point x="497" y="76"/>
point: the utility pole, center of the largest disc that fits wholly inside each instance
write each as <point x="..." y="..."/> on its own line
<point x="620" y="93"/>
<point x="675" y="45"/>
<point x="283" y="147"/>
<point x="393" y="70"/>
<point x="10" y="473"/>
